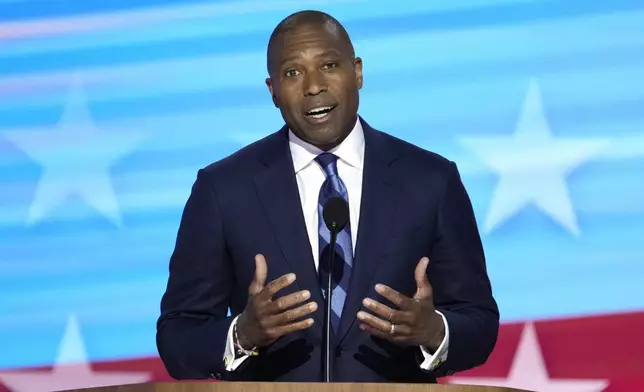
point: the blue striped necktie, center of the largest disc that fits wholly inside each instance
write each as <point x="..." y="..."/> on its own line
<point x="343" y="259"/>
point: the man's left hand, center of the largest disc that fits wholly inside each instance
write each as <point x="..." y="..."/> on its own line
<point x="415" y="323"/>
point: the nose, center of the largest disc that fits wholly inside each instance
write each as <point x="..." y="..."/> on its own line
<point x="314" y="83"/>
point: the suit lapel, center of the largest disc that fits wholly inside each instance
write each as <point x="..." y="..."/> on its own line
<point x="278" y="193"/>
<point x="377" y="214"/>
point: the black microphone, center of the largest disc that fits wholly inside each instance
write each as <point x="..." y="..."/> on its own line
<point x="336" y="215"/>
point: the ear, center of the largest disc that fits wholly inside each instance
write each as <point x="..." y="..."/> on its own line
<point x="269" y="84"/>
<point x="357" y="69"/>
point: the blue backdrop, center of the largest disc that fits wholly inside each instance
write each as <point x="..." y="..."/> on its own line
<point x="108" y="109"/>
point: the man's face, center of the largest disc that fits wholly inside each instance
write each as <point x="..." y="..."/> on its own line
<point x="315" y="82"/>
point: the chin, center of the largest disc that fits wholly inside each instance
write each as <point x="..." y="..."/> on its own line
<point x="320" y="135"/>
<point x="324" y="137"/>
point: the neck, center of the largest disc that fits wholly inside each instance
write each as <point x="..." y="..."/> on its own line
<point x="331" y="146"/>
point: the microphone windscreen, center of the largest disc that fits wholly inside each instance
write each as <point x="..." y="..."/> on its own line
<point x="336" y="210"/>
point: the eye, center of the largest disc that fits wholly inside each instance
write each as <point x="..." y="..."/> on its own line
<point x="330" y="64"/>
<point x="291" y="72"/>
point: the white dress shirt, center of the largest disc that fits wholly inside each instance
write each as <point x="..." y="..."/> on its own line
<point x="310" y="176"/>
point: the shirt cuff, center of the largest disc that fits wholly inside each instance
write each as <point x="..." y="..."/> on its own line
<point x="230" y="361"/>
<point x="431" y="362"/>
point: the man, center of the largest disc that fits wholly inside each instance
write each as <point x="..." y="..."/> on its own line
<point x="411" y="296"/>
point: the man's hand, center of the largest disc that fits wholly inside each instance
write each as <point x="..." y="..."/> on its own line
<point x="415" y="323"/>
<point x="265" y="319"/>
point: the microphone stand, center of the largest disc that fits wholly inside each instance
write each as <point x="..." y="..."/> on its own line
<point x="326" y="361"/>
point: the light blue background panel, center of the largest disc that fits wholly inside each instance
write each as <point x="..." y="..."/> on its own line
<point x="109" y="108"/>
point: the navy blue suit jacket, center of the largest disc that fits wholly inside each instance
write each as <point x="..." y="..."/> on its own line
<point x="413" y="205"/>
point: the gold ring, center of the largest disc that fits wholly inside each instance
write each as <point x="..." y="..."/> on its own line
<point x="393" y="329"/>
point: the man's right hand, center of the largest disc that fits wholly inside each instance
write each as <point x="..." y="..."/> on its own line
<point x="265" y="319"/>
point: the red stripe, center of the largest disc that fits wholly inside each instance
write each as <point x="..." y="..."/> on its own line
<point x="599" y="347"/>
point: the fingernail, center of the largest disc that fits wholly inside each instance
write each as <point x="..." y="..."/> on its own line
<point x="361" y="315"/>
<point x="306" y="294"/>
<point x="367" y="302"/>
<point x="379" y="287"/>
<point x="291" y="277"/>
<point x="313" y="306"/>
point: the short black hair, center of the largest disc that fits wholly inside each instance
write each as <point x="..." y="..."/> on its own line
<point x="301" y="18"/>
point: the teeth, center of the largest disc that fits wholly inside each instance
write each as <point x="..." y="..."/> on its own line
<point x="319" y="111"/>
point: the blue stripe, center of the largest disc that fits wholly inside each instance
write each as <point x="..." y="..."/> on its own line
<point x="359" y="29"/>
<point x="197" y="154"/>
<point x="26" y="9"/>
<point x="21" y="10"/>
<point x="19" y="110"/>
<point x="616" y="101"/>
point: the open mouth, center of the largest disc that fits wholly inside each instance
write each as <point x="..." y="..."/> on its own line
<point x="320" y="112"/>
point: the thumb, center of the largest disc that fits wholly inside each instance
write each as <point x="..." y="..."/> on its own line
<point x="259" y="279"/>
<point x="424" y="289"/>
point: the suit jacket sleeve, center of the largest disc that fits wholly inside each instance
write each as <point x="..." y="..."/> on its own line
<point x="193" y="326"/>
<point x="458" y="274"/>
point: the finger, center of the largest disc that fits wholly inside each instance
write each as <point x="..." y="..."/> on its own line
<point x="424" y="289"/>
<point x="398" y="336"/>
<point x="374" y="331"/>
<point x="276" y="332"/>
<point x="387" y="313"/>
<point x="401" y="301"/>
<point x="282" y="303"/>
<point x="290" y="316"/>
<point x="375" y="322"/>
<point x="276" y="285"/>
<point x="259" y="279"/>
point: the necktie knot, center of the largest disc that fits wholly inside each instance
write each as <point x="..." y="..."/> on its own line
<point x="329" y="163"/>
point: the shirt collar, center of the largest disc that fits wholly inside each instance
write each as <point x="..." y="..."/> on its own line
<point x="351" y="150"/>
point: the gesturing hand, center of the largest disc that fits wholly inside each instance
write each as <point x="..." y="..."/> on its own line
<point x="265" y="319"/>
<point x="415" y="323"/>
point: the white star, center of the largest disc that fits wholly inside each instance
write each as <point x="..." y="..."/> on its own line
<point x="76" y="158"/>
<point x="532" y="166"/>
<point x="71" y="370"/>
<point x="529" y="371"/>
